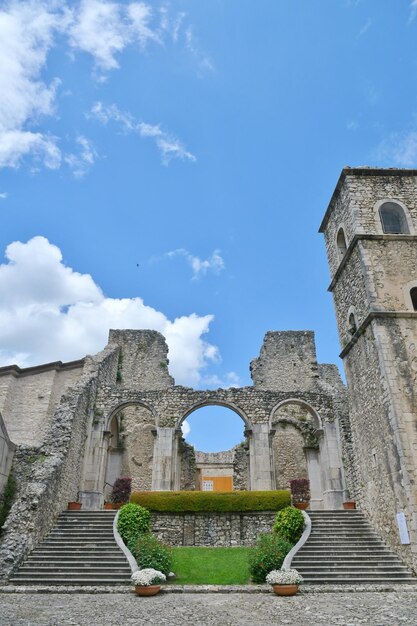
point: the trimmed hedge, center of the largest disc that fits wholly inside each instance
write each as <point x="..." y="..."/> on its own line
<point x="268" y="554"/>
<point x="133" y="520"/>
<point x="220" y="501"/>
<point x="289" y="524"/>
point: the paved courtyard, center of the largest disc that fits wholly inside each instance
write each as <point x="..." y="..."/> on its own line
<point x="192" y="609"/>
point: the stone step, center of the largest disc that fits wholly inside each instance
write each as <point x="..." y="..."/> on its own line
<point x="70" y="568"/>
<point x="79" y="580"/>
<point x="354" y="568"/>
<point x="354" y="580"/>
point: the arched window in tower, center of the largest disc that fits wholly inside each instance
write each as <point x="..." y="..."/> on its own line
<point x="341" y="243"/>
<point x="393" y="219"/>
<point x="353" y="327"/>
<point x="413" y="295"/>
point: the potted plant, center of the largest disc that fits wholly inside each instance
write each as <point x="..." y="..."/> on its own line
<point x="300" y="492"/>
<point x="349" y="505"/>
<point x="121" y="491"/>
<point x="108" y="505"/>
<point x="284" y="582"/>
<point x="147" y="581"/>
<point x="74" y="506"/>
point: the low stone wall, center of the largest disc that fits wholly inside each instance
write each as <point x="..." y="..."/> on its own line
<point x="211" y="529"/>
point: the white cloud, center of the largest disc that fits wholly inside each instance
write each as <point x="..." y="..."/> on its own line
<point x="81" y="162"/>
<point x="102" y="29"/>
<point x="27" y="31"/>
<point x="186" y="428"/>
<point x="203" y="60"/>
<point x="3" y="195"/>
<point x="366" y="27"/>
<point x="168" y="145"/>
<point x="413" y="10"/>
<point x="399" y="149"/>
<point x="200" y="267"/>
<point x="231" y="379"/>
<point x="50" y="312"/>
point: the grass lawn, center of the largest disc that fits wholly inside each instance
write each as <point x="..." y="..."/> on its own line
<point x="211" y="566"/>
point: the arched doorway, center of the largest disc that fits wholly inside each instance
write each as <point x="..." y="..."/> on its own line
<point x="131" y="446"/>
<point x="296" y="430"/>
<point x="214" y="450"/>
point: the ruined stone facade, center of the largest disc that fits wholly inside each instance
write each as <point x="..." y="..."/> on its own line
<point x="121" y="413"/>
<point x="73" y="428"/>
<point x="370" y="232"/>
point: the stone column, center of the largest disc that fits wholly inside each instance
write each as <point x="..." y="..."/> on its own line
<point x="260" y="458"/>
<point x="314" y="476"/>
<point x="163" y="459"/>
<point x="331" y="464"/>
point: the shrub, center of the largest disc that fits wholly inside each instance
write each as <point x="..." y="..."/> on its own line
<point x="121" y="490"/>
<point x="300" y="490"/>
<point x="149" y="552"/>
<point x="289" y="524"/>
<point x="7" y="499"/>
<point x="133" y="520"/>
<point x="268" y="554"/>
<point x="193" y="501"/>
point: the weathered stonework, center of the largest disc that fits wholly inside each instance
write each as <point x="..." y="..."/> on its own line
<point x="211" y="529"/>
<point x="373" y="279"/>
<point x="123" y="415"/>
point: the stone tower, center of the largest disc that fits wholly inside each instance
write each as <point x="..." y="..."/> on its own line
<point x="370" y="230"/>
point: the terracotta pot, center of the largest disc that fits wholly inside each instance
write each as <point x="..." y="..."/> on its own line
<point x="349" y="505"/>
<point x="117" y="505"/>
<point x="301" y="505"/>
<point x="108" y="506"/>
<point x="285" y="590"/>
<point x="147" y="590"/>
<point x="74" y="506"/>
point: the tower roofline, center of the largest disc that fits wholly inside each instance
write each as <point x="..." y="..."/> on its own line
<point x="361" y="171"/>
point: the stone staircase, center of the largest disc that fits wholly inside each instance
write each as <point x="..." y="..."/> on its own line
<point x="80" y="550"/>
<point x="344" y="549"/>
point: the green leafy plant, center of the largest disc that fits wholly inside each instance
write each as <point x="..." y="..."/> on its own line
<point x="149" y="552"/>
<point x="193" y="501"/>
<point x="133" y="520"/>
<point x="7" y="499"/>
<point x="268" y="554"/>
<point x="289" y="524"/>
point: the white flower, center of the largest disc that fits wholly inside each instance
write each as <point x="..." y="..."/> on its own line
<point x="284" y="577"/>
<point x="148" y="576"/>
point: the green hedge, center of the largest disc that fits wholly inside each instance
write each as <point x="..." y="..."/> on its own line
<point x="195" y="501"/>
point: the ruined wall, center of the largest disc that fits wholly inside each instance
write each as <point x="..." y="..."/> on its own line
<point x="138" y="442"/>
<point x="48" y="476"/>
<point x="189" y="478"/>
<point x="289" y="458"/>
<point x="241" y="467"/>
<point x="143" y="361"/>
<point x="7" y="449"/>
<point x="29" y="397"/>
<point x="287" y="362"/>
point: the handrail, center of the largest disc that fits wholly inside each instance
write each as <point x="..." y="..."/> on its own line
<point x="306" y="534"/>
<point x="123" y="547"/>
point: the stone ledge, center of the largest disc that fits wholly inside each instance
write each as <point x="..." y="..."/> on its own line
<point x="121" y="589"/>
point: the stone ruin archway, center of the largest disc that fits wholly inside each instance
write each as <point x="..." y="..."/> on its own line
<point x="295" y="437"/>
<point x="224" y="470"/>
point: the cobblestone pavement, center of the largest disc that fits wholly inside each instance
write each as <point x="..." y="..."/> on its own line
<point x="332" y="609"/>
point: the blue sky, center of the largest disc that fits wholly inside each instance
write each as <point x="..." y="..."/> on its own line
<point x="167" y="165"/>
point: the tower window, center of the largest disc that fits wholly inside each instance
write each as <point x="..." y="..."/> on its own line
<point x="413" y="295"/>
<point x="341" y="243"/>
<point x="393" y="219"/>
<point x="353" y="327"/>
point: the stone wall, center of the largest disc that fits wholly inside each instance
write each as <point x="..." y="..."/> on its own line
<point x="211" y="529"/>
<point x="189" y="478"/>
<point x="289" y="458"/>
<point x="287" y="362"/>
<point x="7" y="449"/>
<point x="138" y="442"/>
<point x="29" y="397"/>
<point x="48" y="476"/>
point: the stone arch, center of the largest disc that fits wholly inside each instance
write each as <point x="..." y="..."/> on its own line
<point x="213" y="402"/>
<point x="228" y="468"/>
<point x="135" y="452"/>
<point x="296" y="430"/>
